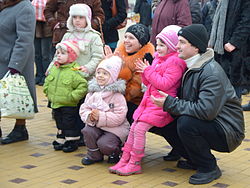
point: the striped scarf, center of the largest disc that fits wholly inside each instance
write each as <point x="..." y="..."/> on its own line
<point x="39" y="8"/>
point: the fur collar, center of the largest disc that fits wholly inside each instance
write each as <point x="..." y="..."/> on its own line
<point x="7" y="3"/>
<point x="117" y="87"/>
<point x="209" y="54"/>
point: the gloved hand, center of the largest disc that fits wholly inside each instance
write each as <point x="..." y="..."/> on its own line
<point x="14" y="71"/>
<point x="149" y="58"/>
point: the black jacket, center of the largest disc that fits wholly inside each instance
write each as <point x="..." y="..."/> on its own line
<point x="109" y="27"/>
<point x="237" y="32"/>
<point x="207" y="94"/>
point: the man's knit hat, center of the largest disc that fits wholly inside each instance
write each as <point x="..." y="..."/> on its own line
<point x="140" y="32"/>
<point x="71" y="47"/>
<point x="197" y="35"/>
<point x="112" y="65"/>
<point x="169" y="36"/>
<point x="79" y="9"/>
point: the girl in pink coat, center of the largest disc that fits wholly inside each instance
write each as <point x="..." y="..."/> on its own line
<point x="165" y="74"/>
<point x="104" y="113"/>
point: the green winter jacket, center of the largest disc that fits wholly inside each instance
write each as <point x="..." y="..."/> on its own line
<point x="65" y="86"/>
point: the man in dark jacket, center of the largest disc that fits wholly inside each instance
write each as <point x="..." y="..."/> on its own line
<point x="208" y="112"/>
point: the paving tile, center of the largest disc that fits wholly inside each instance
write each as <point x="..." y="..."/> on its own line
<point x="75" y="167"/>
<point x="119" y="182"/>
<point x="45" y="144"/>
<point x="169" y="170"/>
<point x="170" y="184"/>
<point x="221" y="185"/>
<point x="17" y="180"/>
<point x="29" y="166"/>
<point x="68" y="181"/>
<point x="37" y="154"/>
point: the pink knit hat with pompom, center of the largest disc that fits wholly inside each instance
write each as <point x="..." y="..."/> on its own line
<point x="169" y="36"/>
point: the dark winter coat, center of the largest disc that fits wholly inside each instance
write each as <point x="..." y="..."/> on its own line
<point x="195" y="9"/>
<point x="109" y="27"/>
<point x="17" y="29"/>
<point x="207" y="94"/>
<point x="143" y="7"/>
<point x="208" y="11"/>
<point x="237" y="32"/>
<point x="170" y="12"/>
<point x="57" y="11"/>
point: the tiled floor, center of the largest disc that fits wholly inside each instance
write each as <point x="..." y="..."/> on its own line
<point x="35" y="164"/>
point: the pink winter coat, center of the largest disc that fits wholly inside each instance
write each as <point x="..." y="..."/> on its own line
<point x="165" y="74"/>
<point x="112" y="107"/>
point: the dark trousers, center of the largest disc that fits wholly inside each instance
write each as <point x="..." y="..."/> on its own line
<point x="194" y="139"/>
<point x="66" y="120"/>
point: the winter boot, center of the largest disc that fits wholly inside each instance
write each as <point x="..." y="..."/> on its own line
<point x="19" y="133"/>
<point x="70" y="146"/>
<point x="0" y="132"/>
<point x="134" y="164"/>
<point x="123" y="160"/>
<point x="60" y="140"/>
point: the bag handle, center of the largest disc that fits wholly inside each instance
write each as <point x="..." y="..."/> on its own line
<point x="7" y="74"/>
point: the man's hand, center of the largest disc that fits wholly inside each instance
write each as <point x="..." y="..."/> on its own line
<point x="229" y="47"/>
<point x="159" y="101"/>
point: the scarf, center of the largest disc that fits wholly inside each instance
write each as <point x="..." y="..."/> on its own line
<point x="39" y="8"/>
<point x="218" y="28"/>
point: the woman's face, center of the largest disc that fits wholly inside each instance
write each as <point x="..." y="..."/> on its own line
<point x="131" y="43"/>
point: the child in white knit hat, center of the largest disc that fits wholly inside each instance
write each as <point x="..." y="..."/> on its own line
<point x="104" y="112"/>
<point x="89" y="40"/>
<point x="64" y="87"/>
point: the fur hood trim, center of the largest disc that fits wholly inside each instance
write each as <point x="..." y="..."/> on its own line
<point x="118" y="86"/>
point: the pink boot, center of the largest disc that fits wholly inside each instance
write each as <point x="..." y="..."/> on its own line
<point x="123" y="160"/>
<point x="134" y="164"/>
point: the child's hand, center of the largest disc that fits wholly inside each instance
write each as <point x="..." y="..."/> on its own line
<point x="141" y="66"/>
<point x="95" y="114"/>
<point x="83" y="69"/>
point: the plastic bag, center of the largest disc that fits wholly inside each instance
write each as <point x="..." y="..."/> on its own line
<point x="15" y="99"/>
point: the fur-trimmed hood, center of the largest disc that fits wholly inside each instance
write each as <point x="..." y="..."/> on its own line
<point x="8" y="3"/>
<point x="118" y="86"/>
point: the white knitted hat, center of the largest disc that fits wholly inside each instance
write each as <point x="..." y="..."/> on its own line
<point x="79" y="10"/>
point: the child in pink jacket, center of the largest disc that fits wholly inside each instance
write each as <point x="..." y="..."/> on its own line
<point x="104" y="113"/>
<point x="165" y="74"/>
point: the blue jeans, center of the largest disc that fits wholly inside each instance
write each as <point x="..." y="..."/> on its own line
<point x="43" y="57"/>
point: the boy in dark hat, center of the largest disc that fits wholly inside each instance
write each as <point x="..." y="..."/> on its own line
<point x="209" y="114"/>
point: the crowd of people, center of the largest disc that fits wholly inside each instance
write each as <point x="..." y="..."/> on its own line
<point x="181" y="77"/>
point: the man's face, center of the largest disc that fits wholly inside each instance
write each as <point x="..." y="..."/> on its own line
<point x="185" y="48"/>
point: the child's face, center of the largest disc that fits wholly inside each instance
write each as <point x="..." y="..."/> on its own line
<point x="79" y="21"/>
<point x="62" y="56"/>
<point x="131" y="43"/>
<point x="161" y="48"/>
<point x="102" y="77"/>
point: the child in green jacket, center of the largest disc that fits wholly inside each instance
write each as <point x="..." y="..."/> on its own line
<point x="65" y="86"/>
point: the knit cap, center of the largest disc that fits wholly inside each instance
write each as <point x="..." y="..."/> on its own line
<point x="79" y="9"/>
<point x="169" y="36"/>
<point x="113" y="66"/>
<point x="197" y="35"/>
<point x="140" y="32"/>
<point x="71" y="47"/>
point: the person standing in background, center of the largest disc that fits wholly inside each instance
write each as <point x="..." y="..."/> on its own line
<point x="110" y="32"/>
<point x="170" y="12"/>
<point x="17" y="29"/>
<point x="143" y="7"/>
<point x="42" y="41"/>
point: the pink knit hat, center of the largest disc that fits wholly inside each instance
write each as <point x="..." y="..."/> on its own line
<point x="113" y="66"/>
<point x="169" y="36"/>
<point x="71" y="47"/>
